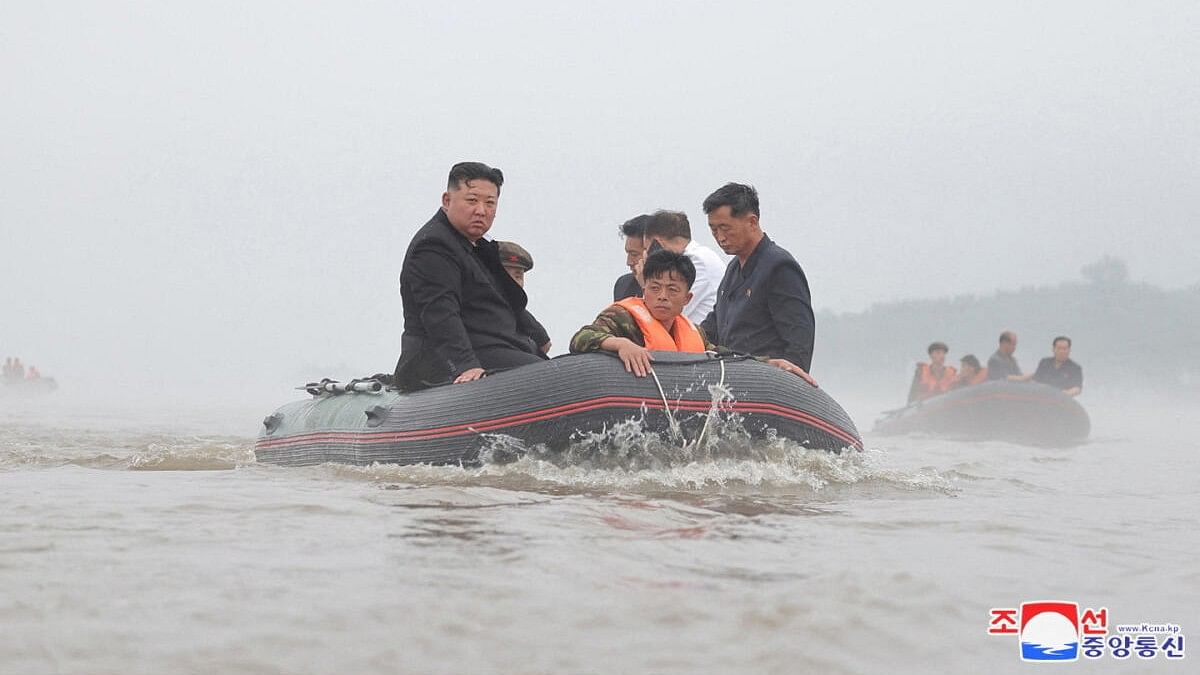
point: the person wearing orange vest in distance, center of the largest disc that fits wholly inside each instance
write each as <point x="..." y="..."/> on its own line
<point x="969" y="373"/>
<point x="634" y="327"/>
<point x="932" y="378"/>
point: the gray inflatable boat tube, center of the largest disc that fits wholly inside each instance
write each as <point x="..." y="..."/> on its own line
<point x="550" y="403"/>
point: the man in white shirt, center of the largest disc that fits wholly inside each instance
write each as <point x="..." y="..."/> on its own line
<point x="671" y="231"/>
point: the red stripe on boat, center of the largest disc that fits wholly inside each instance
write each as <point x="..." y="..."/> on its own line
<point x="371" y="438"/>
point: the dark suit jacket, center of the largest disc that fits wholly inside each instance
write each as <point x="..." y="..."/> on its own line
<point x="765" y="309"/>
<point x="626" y="287"/>
<point x="457" y="299"/>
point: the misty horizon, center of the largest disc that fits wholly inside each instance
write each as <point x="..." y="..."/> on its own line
<point x="225" y="192"/>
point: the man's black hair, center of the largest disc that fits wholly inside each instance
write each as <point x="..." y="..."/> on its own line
<point x="937" y="345"/>
<point x="664" y="261"/>
<point x="1006" y="337"/>
<point x="970" y="360"/>
<point x="741" y="199"/>
<point x="669" y="225"/>
<point x="464" y="172"/>
<point x="635" y="226"/>
<point x="1061" y="337"/>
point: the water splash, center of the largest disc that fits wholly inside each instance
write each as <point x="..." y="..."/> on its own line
<point x="626" y="457"/>
<point x="200" y="454"/>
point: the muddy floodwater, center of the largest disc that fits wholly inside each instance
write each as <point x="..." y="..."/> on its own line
<point x="138" y="540"/>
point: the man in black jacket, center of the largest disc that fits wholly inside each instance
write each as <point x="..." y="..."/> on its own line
<point x="463" y="314"/>
<point x="763" y="303"/>
<point x="627" y="284"/>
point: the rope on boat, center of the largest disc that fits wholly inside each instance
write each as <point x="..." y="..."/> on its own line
<point x="709" y="416"/>
<point x="676" y="430"/>
<point x="676" y="433"/>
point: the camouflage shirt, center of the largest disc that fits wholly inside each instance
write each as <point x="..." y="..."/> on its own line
<point x="615" y="321"/>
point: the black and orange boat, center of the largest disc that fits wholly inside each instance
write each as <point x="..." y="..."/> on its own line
<point x="550" y="404"/>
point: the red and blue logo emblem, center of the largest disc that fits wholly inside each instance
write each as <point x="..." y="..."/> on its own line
<point x="1049" y="631"/>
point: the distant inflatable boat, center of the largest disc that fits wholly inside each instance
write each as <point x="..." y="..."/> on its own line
<point x="550" y="404"/>
<point x="1020" y="412"/>
<point x="27" y="388"/>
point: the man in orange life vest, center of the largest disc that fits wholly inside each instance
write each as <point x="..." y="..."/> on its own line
<point x="634" y="327"/>
<point x="932" y="378"/>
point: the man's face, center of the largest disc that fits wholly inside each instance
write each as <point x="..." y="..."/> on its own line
<point x="472" y="207"/>
<point x="967" y="369"/>
<point x="633" y="252"/>
<point x="517" y="274"/>
<point x="1062" y="350"/>
<point x="938" y="356"/>
<point x="1007" y="348"/>
<point x="665" y="296"/>
<point x="734" y="234"/>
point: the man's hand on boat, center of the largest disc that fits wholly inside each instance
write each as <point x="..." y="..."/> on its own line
<point x="789" y="367"/>
<point x="635" y="357"/>
<point x="470" y="375"/>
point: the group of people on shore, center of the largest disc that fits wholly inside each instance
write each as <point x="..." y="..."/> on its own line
<point x="465" y="307"/>
<point x="935" y="377"/>
<point x="15" y="371"/>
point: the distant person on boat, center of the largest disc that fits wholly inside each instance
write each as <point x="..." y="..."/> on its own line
<point x="1059" y="371"/>
<point x="763" y="304"/>
<point x="1003" y="365"/>
<point x="8" y="368"/>
<point x="969" y="372"/>
<point x="463" y="314"/>
<point x="671" y="231"/>
<point x="632" y="327"/>
<point x="627" y="285"/>
<point x="932" y="378"/>
<point x="33" y="374"/>
<point x="517" y="261"/>
<point x="16" y="370"/>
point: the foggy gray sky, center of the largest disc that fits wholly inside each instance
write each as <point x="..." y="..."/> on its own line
<point x="225" y="190"/>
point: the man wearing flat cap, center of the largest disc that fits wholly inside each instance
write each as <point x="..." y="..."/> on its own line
<point x="517" y="261"/>
<point x="932" y="378"/>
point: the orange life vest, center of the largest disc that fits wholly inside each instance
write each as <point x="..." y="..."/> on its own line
<point x="684" y="337"/>
<point x="930" y="385"/>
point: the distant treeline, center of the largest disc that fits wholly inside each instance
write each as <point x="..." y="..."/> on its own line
<point x="1124" y="333"/>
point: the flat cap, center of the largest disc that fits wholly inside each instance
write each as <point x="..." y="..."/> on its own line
<point x="513" y="255"/>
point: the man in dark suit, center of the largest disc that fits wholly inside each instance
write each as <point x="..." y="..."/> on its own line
<point x="1059" y="371"/>
<point x="463" y="314"/>
<point x="627" y="285"/>
<point x="763" y="303"/>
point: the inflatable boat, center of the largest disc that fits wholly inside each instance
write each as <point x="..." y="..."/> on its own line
<point x="1020" y="412"/>
<point x="27" y="388"/>
<point x="550" y="404"/>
